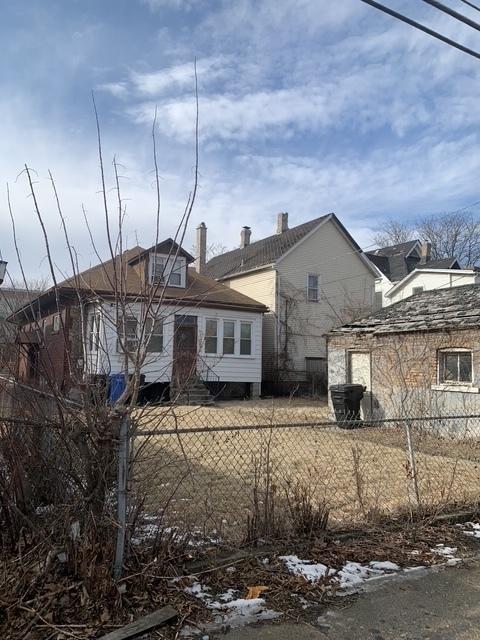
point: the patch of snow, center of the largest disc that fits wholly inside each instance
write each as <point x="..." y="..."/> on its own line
<point x="442" y="550"/>
<point x="471" y="529"/>
<point x="351" y="577"/>
<point x="309" y="570"/>
<point x="228" y="611"/>
<point x="384" y="565"/>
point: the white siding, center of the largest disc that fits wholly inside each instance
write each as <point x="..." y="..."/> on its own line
<point x="346" y="288"/>
<point x="158" y="367"/>
<point x="434" y="279"/>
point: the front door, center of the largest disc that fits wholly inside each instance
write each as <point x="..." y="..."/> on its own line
<point x="184" y="349"/>
<point x="359" y="372"/>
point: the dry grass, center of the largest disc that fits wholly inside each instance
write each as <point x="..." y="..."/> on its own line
<point x="207" y="481"/>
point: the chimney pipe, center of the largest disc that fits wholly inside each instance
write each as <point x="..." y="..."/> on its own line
<point x="425" y="252"/>
<point x="201" y="247"/>
<point x="245" y="237"/>
<point x="282" y="222"/>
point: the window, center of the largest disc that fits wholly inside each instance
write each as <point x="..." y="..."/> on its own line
<point x="128" y="334"/>
<point x="169" y="270"/>
<point x="211" y="336"/>
<point x="93" y="332"/>
<point x="228" y="337"/>
<point x="157" y="269"/>
<point x="245" y="339"/>
<point x="56" y="323"/>
<point x="312" y="287"/>
<point x="416" y="290"/>
<point x="154" y="335"/>
<point x="455" y="367"/>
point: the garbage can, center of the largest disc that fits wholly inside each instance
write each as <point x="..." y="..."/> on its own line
<point x="346" y="400"/>
<point x="116" y="386"/>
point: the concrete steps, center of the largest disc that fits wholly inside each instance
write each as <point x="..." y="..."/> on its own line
<point x="192" y="393"/>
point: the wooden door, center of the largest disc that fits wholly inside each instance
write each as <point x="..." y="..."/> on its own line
<point x="184" y="349"/>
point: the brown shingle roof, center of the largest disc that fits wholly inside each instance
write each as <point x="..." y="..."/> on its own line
<point x="260" y="253"/>
<point x="100" y="280"/>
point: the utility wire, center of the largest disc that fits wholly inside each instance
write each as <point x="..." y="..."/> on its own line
<point x="454" y="14"/>
<point x="422" y="27"/>
<point x="470" y="4"/>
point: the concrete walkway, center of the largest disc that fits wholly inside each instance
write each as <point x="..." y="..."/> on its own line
<point x="441" y="605"/>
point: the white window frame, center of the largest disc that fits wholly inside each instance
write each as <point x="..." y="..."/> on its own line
<point x="124" y="337"/>
<point x="93" y="332"/>
<point x="453" y="385"/>
<point x="309" y="288"/>
<point x="149" y="334"/>
<point x="237" y="322"/>
<point x="169" y="266"/>
<point x="216" y="336"/>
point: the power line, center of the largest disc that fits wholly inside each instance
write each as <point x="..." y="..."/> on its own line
<point x="470" y="4"/>
<point x="421" y="27"/>
<point x="454" y="14"/>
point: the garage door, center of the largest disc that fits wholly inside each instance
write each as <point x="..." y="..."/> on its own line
<point x="359" y="368"/>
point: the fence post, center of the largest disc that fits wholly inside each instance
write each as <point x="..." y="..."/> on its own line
<point x="122" y="478"/>
<point x="412" y="464"/>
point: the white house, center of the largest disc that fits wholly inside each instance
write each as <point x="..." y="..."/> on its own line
<point x="406" y="269"/>
<point x="201" y="334"/>
<point x="312" y="277"/>
<point x="427" y="277"/>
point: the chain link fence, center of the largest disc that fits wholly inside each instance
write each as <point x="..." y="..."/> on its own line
<point x="228" y="474"/>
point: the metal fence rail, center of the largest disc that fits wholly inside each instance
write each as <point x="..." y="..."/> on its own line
<point x="211" y="478"/>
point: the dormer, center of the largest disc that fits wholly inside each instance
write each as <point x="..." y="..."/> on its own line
<point x="165" y="263"/>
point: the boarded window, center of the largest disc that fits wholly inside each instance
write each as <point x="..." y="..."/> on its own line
<point x="211" y="336"/>
<point x="455" y="367"/>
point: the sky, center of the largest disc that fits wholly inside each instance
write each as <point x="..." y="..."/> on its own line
<point x="305" y="106"/>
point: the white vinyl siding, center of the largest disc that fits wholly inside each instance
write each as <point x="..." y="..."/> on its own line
<point x="158" y="365"/>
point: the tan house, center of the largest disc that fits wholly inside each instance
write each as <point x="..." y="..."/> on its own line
<point x="312" y="277"/>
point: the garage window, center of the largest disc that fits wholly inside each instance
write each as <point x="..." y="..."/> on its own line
<point x="455" y="367"/>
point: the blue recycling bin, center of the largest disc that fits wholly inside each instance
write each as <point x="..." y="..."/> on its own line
<point x="116" y="386"/>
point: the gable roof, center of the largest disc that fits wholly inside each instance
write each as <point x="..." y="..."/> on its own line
<point x="260" y="253"/>
<point x="445" y="263"/>
<point x="166" y="247"/>
<point x="397" y="260"/>
<point x="200" y="290"/>
<point x="267" y="251"/>
<point x="455" y="308"/>
<point x="403" y="248"/>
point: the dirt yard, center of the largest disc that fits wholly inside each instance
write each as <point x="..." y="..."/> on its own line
<point x="226" y="457"/>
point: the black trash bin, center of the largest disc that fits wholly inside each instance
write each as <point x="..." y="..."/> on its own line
<point x="346" y="400"/>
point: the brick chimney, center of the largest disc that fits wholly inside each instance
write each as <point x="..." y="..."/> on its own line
<point x="282" y="222"/>
<point x="201" y="247"/>
<point x="425" y="252"/>
<point x="245" y="237"/>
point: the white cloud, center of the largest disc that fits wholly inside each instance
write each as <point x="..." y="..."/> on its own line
<point x="116" y="89"/>
<point x="179" y="76"/>
<point x="186" y="5"/>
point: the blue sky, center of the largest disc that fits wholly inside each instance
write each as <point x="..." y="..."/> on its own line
<point x="307" y="107"/>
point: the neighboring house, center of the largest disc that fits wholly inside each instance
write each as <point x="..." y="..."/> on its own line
<point x="204" y="328"/>
<point x="419" y="357"/>
<point x="406" y="269"/>
<point x="437" y="274"/>
<point x="312" y="277"/>
<point x="10" y="300"/>
<point x="394" y="263"/>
